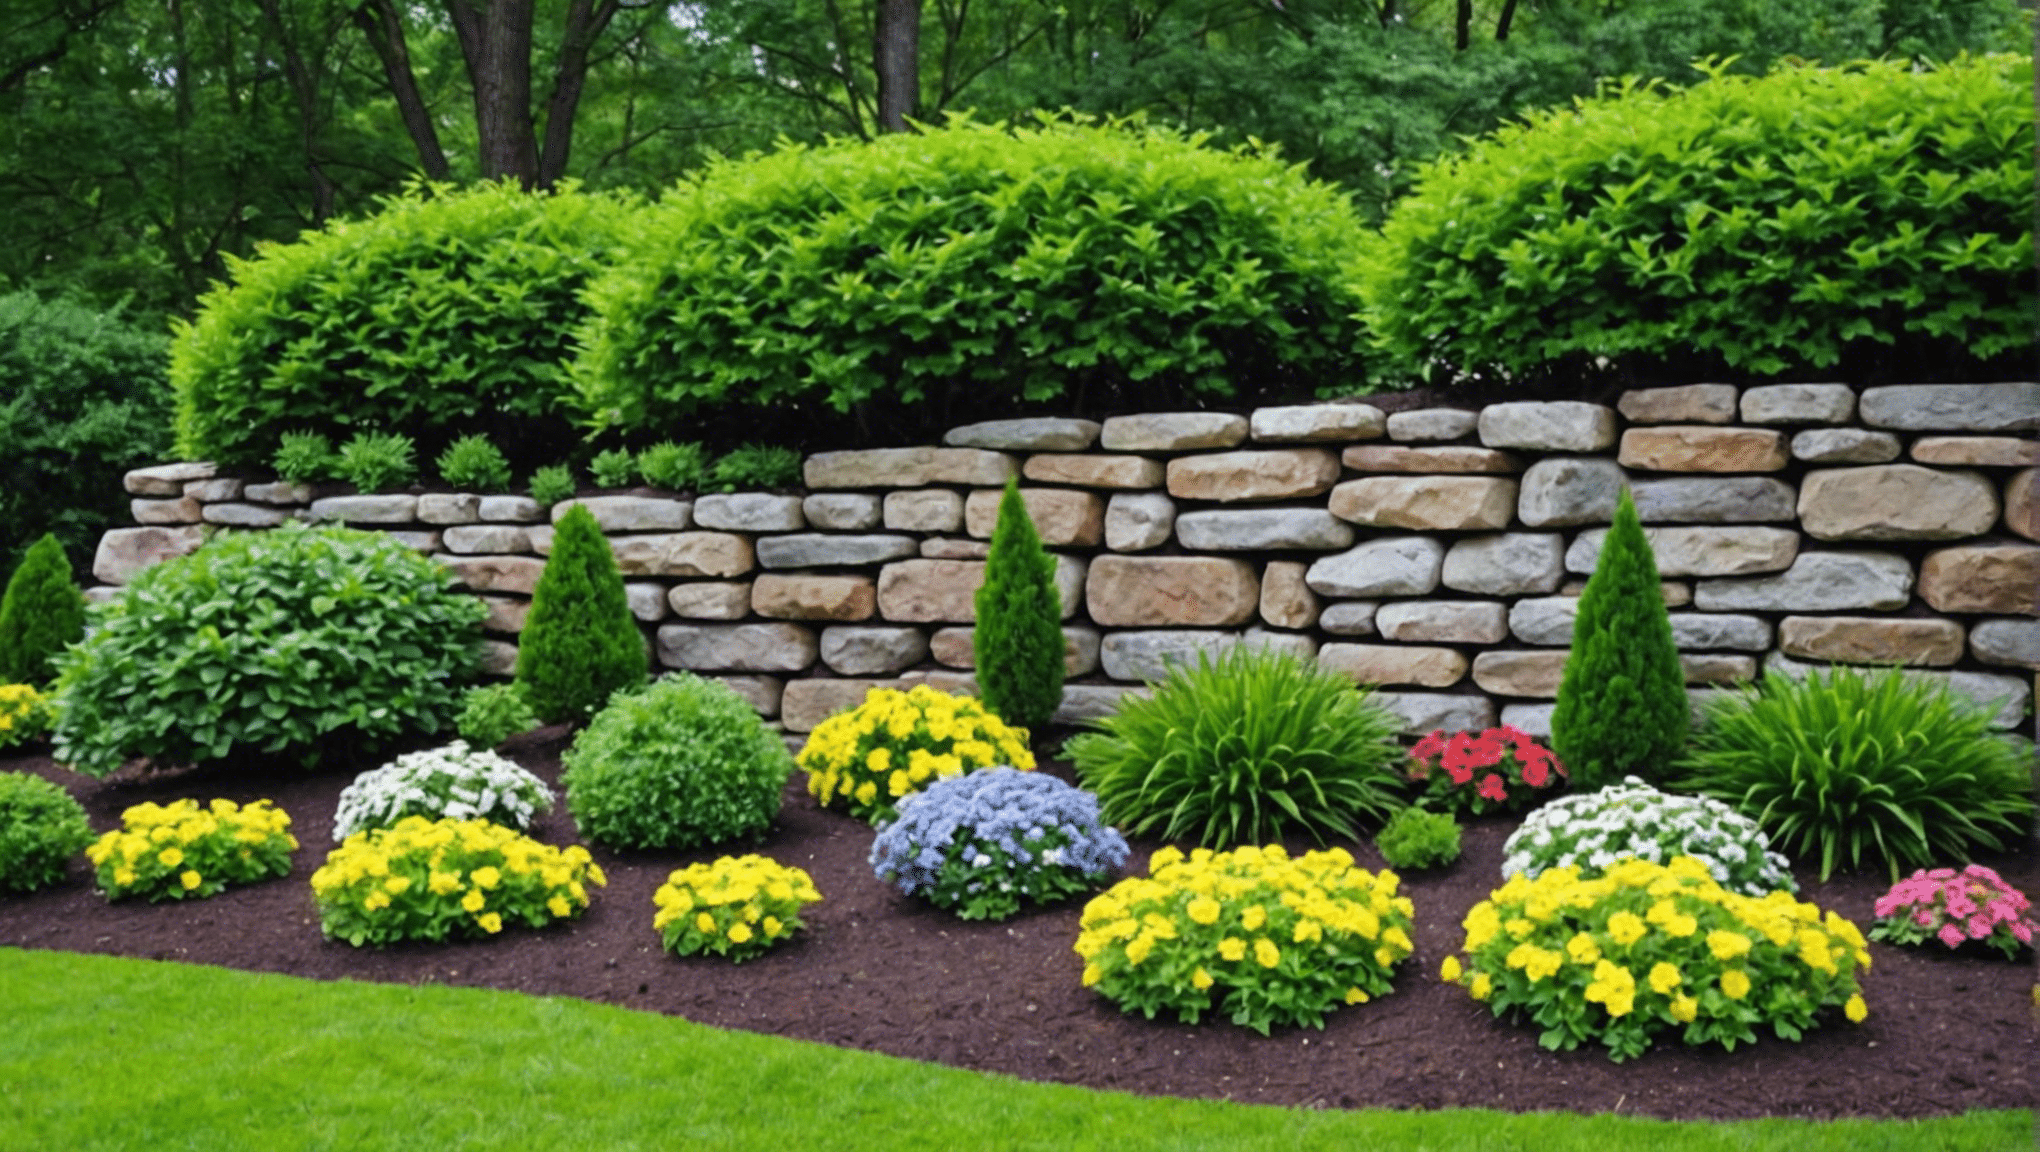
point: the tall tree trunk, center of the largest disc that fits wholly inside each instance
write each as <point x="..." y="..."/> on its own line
<point x="496" y="43"/>
<point x="1463" y="25"/>
<point x="1507" y="18"/>
<point x="586" y="20"/>
<point x="304" y="91"/>
<point x="896" y="58"/>
<point x="379" y="22"/>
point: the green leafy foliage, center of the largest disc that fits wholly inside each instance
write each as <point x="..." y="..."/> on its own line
<point x="675" y="467"/>
<point x="1622" y="700"/>
<point x="41" y="828"/>
<point x="682" y="762"/>
<point x="492" y="714"/>
<point x="475" y="463"/>
<point x="1850" y="769"/>
<point x="1872" y="219"/>
<point x="974" y="266"/>
<point x="754" y="466"/>
<point x="303" y="640"/>
<point x="304" y="457"/>
<point x="552" y="484"/>
<point x="1241" y="750"/>
<point x="580" y="642"/>
<point x="445" y="313"/>
<point x="41" y="613"/>
<point x="377" y="461"/>
<point x="613" y="468"/>
<point x="1018" y="638"/>
<point x="1419" y="838"/>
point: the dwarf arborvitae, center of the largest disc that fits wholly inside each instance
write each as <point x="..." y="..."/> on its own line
<point x="580" y="642"/>
<point x="1019" y="640"/>
<point x="42" y="613"/>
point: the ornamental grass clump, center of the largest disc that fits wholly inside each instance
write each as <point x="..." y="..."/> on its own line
<point x="982" y="844"/>
<point x="1500" y="770"/>
<point x="437" y="879"/>
<point x="455" y="782"/>
<point x="1590" y="831"/>
<point x="180" y="851"/>
<point x="1257" y="934"/>
<point x="865" y="760"/>
<point x="1956" y="908"/>
<point x="1855" y="769"/>
<point x="41" y="828"/>
<point x="736" y="907"/>
<point x="1242" y="749"/>
<point x="25" y="714"/>
<point x="1418" y="838"/>
<point x="1652" y="948"/>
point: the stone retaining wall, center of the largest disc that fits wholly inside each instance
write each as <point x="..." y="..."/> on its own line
<point x="1437" y="553"/>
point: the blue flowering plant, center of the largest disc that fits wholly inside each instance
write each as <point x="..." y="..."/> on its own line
<point x="984" y="843"/>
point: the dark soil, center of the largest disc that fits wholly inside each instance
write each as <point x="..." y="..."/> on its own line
<point x="885" y="973"/>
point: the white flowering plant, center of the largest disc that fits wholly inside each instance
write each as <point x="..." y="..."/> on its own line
<point x="1589" y="831"/>
<point x="981" y="844"/>
<point x="455" y="782"/>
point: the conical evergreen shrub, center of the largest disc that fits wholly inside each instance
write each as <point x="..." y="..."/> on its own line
<point x="1019" y="640"/>
<point x="580" y="642"/>
<point x="43" y="611"/>
<point x="1622" y="706"/>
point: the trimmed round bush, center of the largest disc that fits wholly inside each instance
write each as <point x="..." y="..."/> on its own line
<point x="41" y="828"/>
<point x="682" y="762"/>
<point x="492" y="714"/>
<point x="1243" y="749"/>
<point x="296" y="640"/>
<point x="866" y="759"/>
<point x="455" y="782"/>
<point x="445" y="313"/>
<point x="976" y="266"/>
<point x="1589" y="832"/>
<point x="1873" y="220"/>
<point x="1852" y="768"/>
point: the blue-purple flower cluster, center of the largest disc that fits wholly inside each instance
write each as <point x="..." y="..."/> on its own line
<point x="982" y="843"/>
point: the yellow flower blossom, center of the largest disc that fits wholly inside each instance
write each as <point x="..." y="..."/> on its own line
<point x="1232" y="948"/>
<point x="1200" y="979"/>
<point x="1856" y="1010"/>
<point x="1266" y="954"/>
<point x="1735" y="984"/>
<point x="490" y="922"/>
<point x="1684" y="1008"/>
<point x="1450" y="971"/>
<point x="1664" y="977"/>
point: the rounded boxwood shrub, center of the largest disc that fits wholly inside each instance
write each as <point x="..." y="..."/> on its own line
<point x="445" y="313"/>
<point x="41" y="828"/>
<point x="1876" y="217"/>
<point x="682" y="762"/>
<point x="293" y="640"/>
<point x="976" y="265"/>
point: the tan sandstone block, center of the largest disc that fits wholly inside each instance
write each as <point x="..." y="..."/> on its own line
<point x="517" y="574"/>
<point x="907" y="468"/>
<point x="1686" y="404"/>
<point x="1999" y="579"/>
<point x="1896" y="502"/>
<point x="2022" y="503"/>
<point x="1447" y="458"/>
<point x="1394" y="664"/>
<point x="1286" y="601"/>
<point x="1871" y="640"/>
<point x="1427" y="503"/>
<point x="1274" y="474"/>
<point x="1166" y="591"/>
<point x="1977" y="451"/>
<point x="1061" y="517"/>
<point x="694" y="554"/>
<point x="1088" y="471"/>
<point x="1533" y="674"/>
<point x="1692" y="448"/>
<point x="781" y="597"/>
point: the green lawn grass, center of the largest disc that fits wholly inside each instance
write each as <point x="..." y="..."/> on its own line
<point x="113" y="1053"/>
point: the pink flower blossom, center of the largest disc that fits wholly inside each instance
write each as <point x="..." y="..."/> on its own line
<point x="1951" y="935"/>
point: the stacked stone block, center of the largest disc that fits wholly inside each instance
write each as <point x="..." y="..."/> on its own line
<point x="1437" y="553"/>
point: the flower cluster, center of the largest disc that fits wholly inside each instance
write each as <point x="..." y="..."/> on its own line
<point x="1954" y="908"/>
<point x="1500" y="769"/>
<point x="736" y="907"/>
<point x="182" y="851"/>
<point x="1650" y="947"/>
<point x="980" y="844"/>
<point x="455" y="782"/>
<point x="24" y="714"/>
<point x="1268" y="938"/>
<point x="1592" y="830"/>
<point x="865" y="760"/>
<point x="431" y="879"/>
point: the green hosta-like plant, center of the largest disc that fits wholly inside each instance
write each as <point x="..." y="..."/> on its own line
<point x="41" y="828"/>
<point x="1418" y="838"/>
<point x="41" y="613"/>
<point x="1242" y="750"/>
<point x="580" y="642"/>
<point x="677" y="467"/>
<point x="492" y="714"/>
<point x="552" y="484"/>
<point x="377" y="461"/>
<point x="1018" y="638"/>
<point x="298" y="641"/>
<point x="750" y="466"/>
<point x="1850" y="769"/>
<point x="303" y="457"/>
<point x="476" y="464"/>
<point x="613" y="468"/>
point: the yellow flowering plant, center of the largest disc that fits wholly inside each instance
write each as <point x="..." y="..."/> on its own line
<point x="25" y="714"/>
<point x="1647" y="948"/>
<point x="1256" y="933"/>
<point x="897" y="743"/>
<point x="180" y="851"/>
<point x="735" y="907"/>
<point x="434" y="879"/>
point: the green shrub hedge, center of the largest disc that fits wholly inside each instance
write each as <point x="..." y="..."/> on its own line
<point x="446" y="313"/>
<point x="973" y="267"/>
<point x="1866" y="220"/>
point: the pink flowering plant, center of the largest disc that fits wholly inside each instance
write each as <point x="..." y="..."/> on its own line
<point x="1502" y="769"/>
<point x="1955" y="908"/>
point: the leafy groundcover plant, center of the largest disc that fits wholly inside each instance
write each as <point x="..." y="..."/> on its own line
<point x="434" y="879"/>
<point x="492" y="714"/>
<point x="1590" y="831"/>
<point x="1955" y="908"/>
<point x="41" y="828"/>
<point x="1264" y="937"/>
<point x="895" y="743"/>
<point x="25" y="714"/>
<point x="1851" y="768"/>
<point x="1651" y="948"/>
<point x="455" y="782"/>
<point x="1417" y="838"/>
<point x="181" y="851"/>
<point x="736" y="907"/>
<point x="982" y="843"/>
<point x="1502" y="769"/>
<point x="475" y="463"/>
<point x="1243" y="749"/>
<point x="377" y="461"/>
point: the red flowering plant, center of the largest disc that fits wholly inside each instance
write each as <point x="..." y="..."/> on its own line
<point x="1502" y="769"/>
<point x="1955" y="908"/>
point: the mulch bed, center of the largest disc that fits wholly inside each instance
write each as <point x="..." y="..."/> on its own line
<point x="881" y="972"/>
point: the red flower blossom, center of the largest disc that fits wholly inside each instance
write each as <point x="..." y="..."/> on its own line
<point x="1491" y="786"/>
<point x="1430" y="745"/>
<point x="1536" y="771"/>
